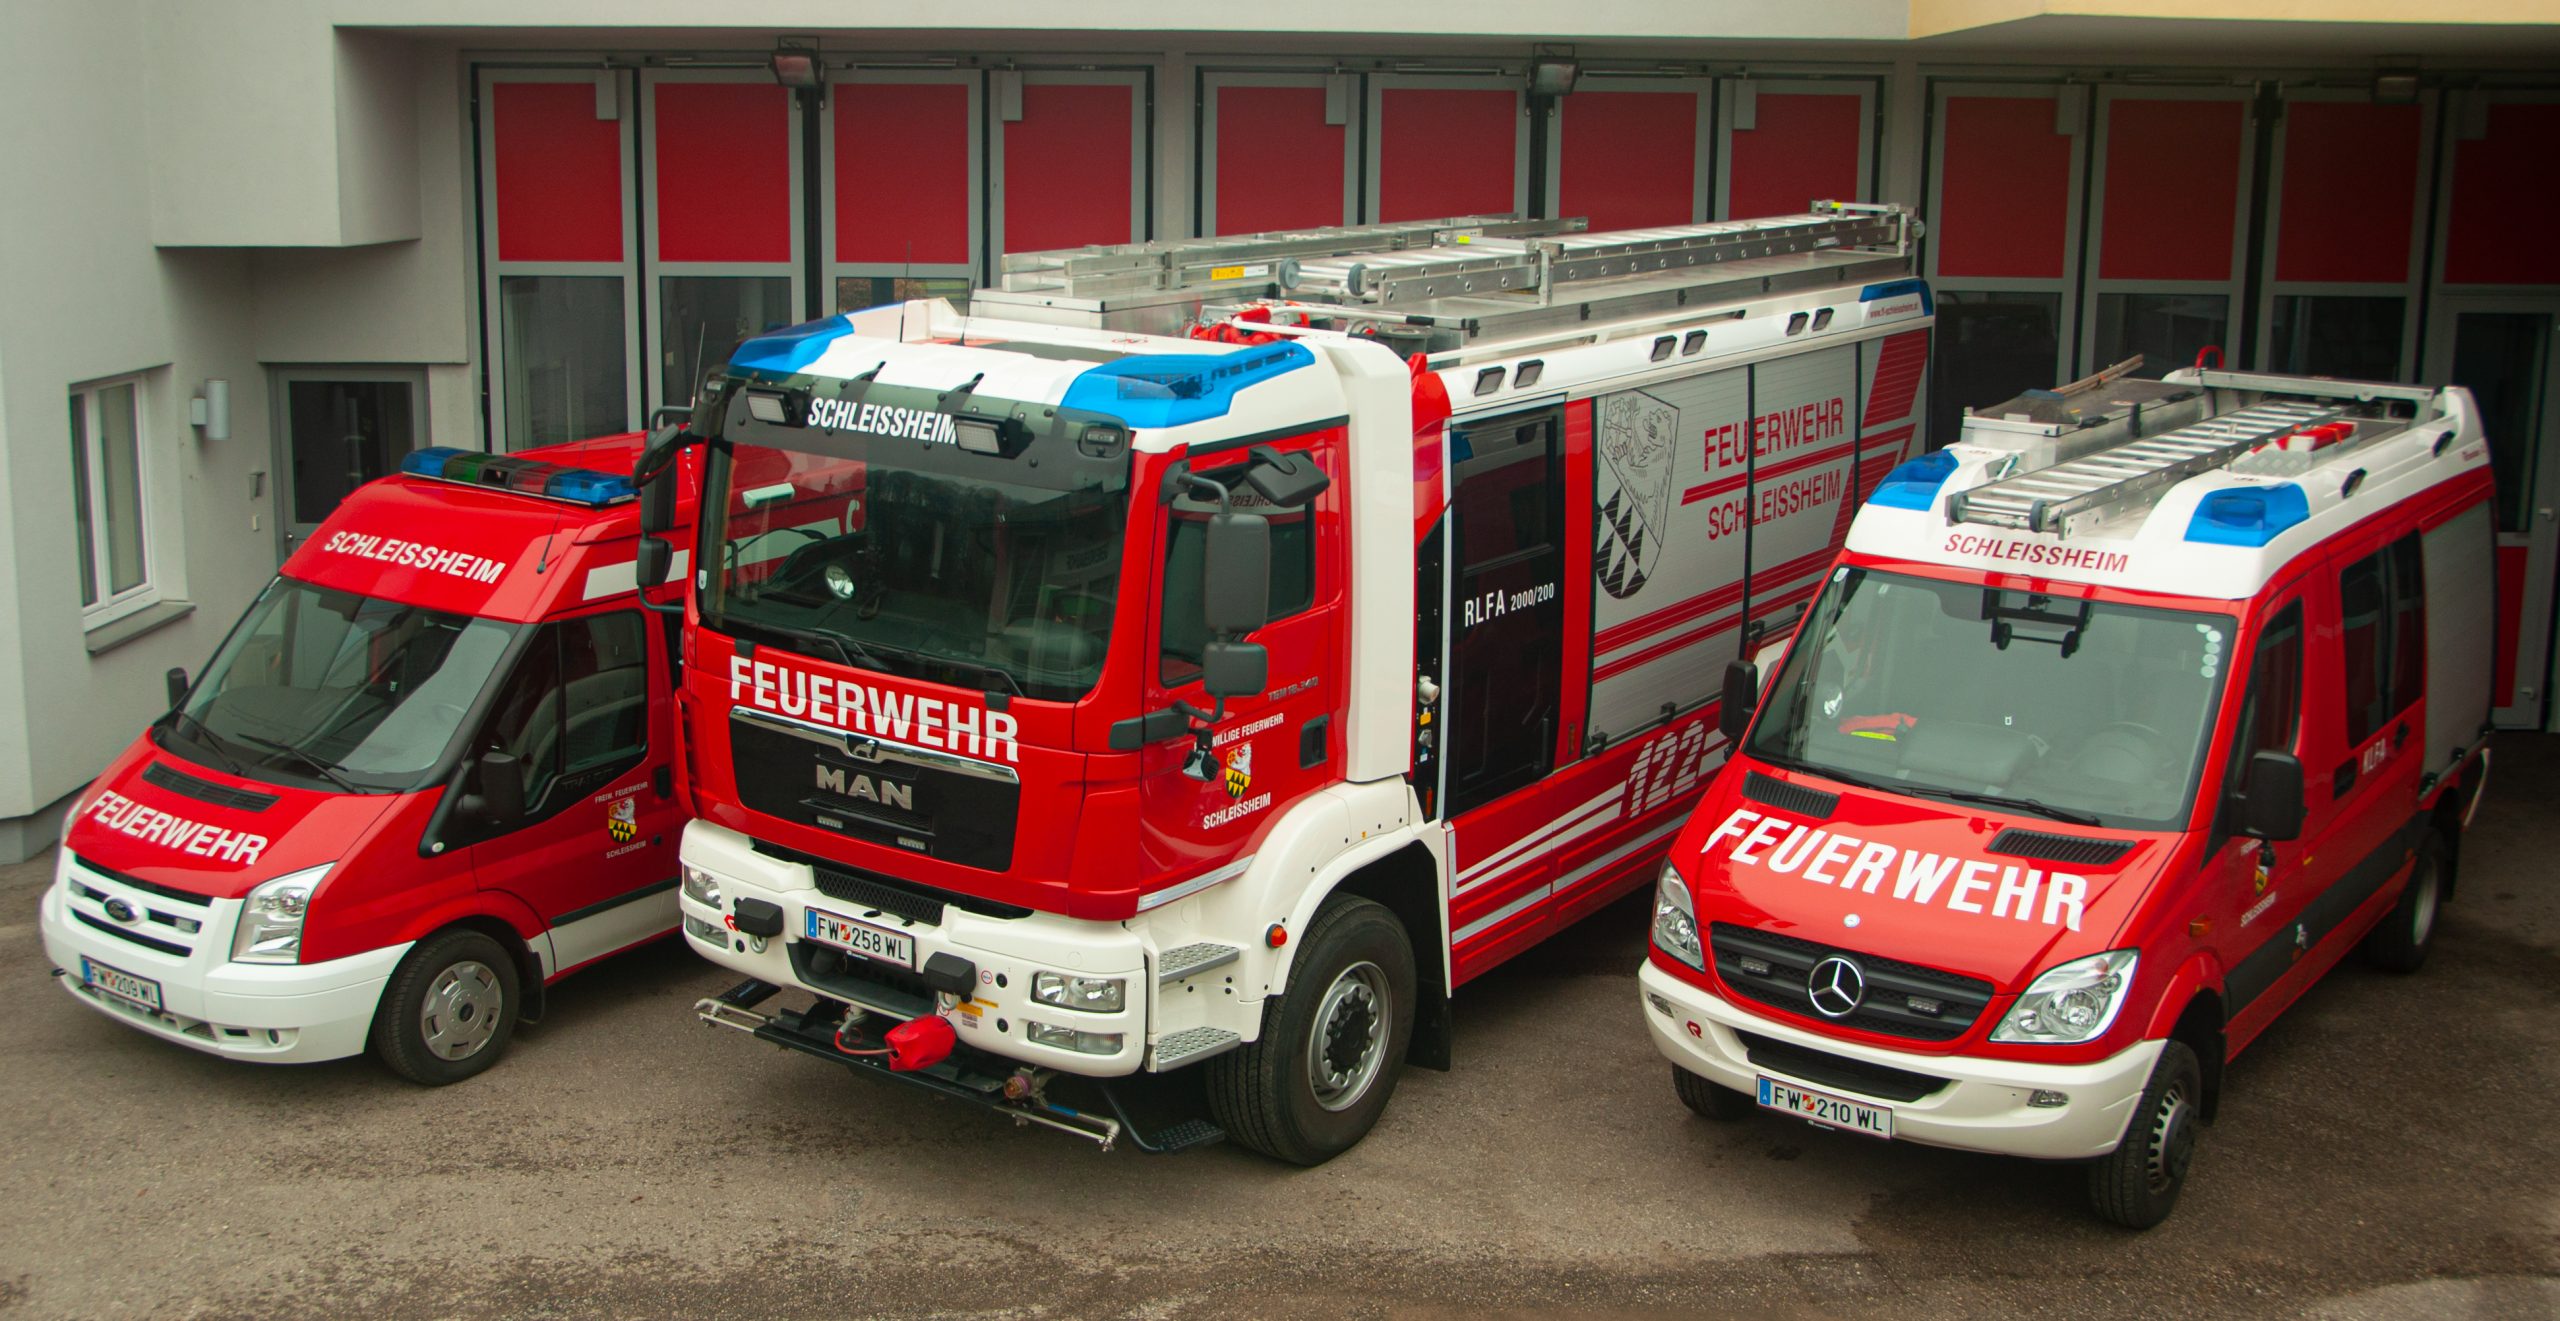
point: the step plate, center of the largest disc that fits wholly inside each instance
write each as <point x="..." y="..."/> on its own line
<point x="1193" y="1043"/>
<point x="1189" y="960"/>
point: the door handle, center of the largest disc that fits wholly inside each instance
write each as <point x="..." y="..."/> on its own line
<point x="2344" y="780"/>
<point x="2400" y="736"/>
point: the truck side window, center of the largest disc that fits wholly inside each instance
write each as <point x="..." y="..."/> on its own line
<point x="2383" y="627"/>
<point x="1293" y="572"/>
<point x="577" y="702"/>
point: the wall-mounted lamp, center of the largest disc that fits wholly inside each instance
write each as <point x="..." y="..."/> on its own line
<point x="210" y="412"/>
<point x="795" y="66"/>
<point x="2395" y="89"/>
<point x="1553" y="74"/>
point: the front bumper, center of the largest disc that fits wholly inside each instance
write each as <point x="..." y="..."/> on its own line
<point x="1005" y="951"/>
<point x="268" y="1013"/>
<point x="1982" y="1107"/>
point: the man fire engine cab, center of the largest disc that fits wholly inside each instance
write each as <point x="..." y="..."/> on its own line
<point x="2113" y="729"/>
<point x="1184" y="669"/>
<point x="430" y="771"/>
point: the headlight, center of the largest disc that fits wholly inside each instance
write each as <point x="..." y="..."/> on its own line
<point x="1093" y="995"/>
<point x="1072" y="1038"/>
<point x="271" y="918"/>
<point x="2071" y="1003"/>
<point x="701" y="886"/>
<point x="1675" y="920"/>
<point x="71" y="813"/>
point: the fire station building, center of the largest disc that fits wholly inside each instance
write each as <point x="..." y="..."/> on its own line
<point x="251" y="253"/>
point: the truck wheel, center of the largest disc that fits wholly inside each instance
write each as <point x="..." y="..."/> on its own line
<point x="449" y="1010"/>
<point x="1331" y="1049"/>
<point x="2399" y="942"/>
<point x="2137" y="1184"/>
<point x="1709" y="1100"/>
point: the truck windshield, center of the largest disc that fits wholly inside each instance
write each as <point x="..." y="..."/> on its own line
<point x="2086" y="712"/>
<point x="919" y="560"/>
<point x="354" y="692"/>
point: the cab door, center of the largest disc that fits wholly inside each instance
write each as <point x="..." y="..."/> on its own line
<point x="2252" y="887"/>
<point x="588" y="713"/>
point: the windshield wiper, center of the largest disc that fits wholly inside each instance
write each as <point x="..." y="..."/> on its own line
<point x="326" y="770"/>
<point x="849" y="653"/>
<point x="204" y="738"/>
<point x="2008" y="800"/>
<point x="1808" y="768"/>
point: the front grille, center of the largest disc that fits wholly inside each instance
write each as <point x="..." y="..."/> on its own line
<point x="205" y="791"/>
<point x="1793" y="797"/>
<point x="127" y="933"/>
<point x="136" y="883"/>
<point x="170" y="928"/>
<point x="2021" y="843"/>
<point x="1824" y="1069"/>
<point x="1899" y="996"/>
<point x="948" y="808"/>
<point x="908" y="895"/>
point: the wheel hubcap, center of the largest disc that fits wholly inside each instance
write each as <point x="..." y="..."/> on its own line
<point x="1349" y="1040"/>
<point x="2173" y="1140"/>
<point x="464" y="1005"/>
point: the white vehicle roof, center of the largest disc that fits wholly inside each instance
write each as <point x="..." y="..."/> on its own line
<point x="2252" y="470"/>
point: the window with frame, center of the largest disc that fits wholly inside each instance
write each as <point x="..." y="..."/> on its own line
<point x="2382" y="618"/>
<point x="109" y="506"/>
<point x="1293" y="570"/>
<point x="577" y="703"/>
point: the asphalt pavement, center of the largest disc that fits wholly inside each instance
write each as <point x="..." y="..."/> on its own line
<point x="2385" y="1150"/>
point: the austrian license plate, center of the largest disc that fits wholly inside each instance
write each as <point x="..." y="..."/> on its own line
<point x="1874" y="1121"/>
<point x="121" y="984"/>
<point x="871" y="942"/>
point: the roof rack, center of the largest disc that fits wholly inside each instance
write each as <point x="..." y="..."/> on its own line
<point x="2044" y="500"/>
<point x="1271" y="257"/>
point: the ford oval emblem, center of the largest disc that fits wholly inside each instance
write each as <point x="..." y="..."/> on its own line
<point x="120" y="910"/>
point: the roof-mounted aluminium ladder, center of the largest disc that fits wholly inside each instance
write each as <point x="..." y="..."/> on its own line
<point x="1166" y="265"/>
<point x="2046" y="499"/>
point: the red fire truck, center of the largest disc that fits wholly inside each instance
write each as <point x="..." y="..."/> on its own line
<point x="2114" y="728"/>
<point x="1163" y="683"/>
<point x="430" y="771"/>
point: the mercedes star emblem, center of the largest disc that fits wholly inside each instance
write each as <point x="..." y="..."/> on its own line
<point x="1836" y="986"/>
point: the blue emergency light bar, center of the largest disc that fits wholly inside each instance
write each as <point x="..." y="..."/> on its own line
<point x="550" y="481"/>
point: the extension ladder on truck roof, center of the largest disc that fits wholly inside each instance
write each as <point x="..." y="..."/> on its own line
<point x="2044" y="499"/>
<point x="1450" y="282"/>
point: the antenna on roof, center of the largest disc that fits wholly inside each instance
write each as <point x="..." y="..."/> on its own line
<point x="901" y="290"/>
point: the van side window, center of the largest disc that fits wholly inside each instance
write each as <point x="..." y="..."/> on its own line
<point x="2271" y="714"/>
<point x="2382" y="617"/>
<point x="577" y="702"/>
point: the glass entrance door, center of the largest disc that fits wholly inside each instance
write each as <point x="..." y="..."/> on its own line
<point x="336" y="429"/>
<point x="2504" y="350"/>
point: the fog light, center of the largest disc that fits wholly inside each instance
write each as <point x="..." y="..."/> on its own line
<point x="704" y="931"/>
<point x="1660" y="1005"/>
<point x="2044" y="1100"/>
<point x="1756" y="967"/>
<point x="1921" y="1005"/>
<point x="1075" y="1039"/>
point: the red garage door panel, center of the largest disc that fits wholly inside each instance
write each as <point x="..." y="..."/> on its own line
<point x="1446" y="151"/>
<point x="902" y="172"/>
<point x="1631" y="158"/>
<point x="2173" y="190"/>
<point x="747" y="128"/>
<point x="1067" y="167"/>
<point x="2004" y="191"/>
<point x="558" y="173"/>
<point x="1279" y="163"/>
<point x="2350" y="187"/>
<point x="2496" y="179"/>
<point x="1804" y="148"/>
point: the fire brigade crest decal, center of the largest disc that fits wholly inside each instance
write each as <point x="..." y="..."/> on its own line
<point x="1634" y="489"/>
<point x="622" y="819"/>
<point x="1239" y="776"/>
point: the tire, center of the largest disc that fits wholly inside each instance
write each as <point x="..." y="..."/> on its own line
<point x="449" y="1010"/>
<point x="2400" y="941"/>
<point x="2137" y="1184"/>
<point x="1710" y="1100"/>
<point x="1331" y="1048"/>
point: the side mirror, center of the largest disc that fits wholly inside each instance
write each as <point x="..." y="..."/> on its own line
<point x="499" y="788"/>
<point x="1234" y="669"/>
<point x="1741" y="698"/>
<point x="1289" y="481"/>
<point x="1235" y="576"/>
<point x="2271" y="796"/>
<point x="177" y="681"/>
<point x="656" y="557"/>
<point x="649" y="473"/>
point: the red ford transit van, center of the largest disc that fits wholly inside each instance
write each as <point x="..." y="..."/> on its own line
<point x="2114" y="726"/>
<point x="432" y="769"/>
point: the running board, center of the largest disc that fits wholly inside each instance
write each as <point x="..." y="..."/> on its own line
<point x="1191" y="960"/>
<point x="1191" y="1045"/>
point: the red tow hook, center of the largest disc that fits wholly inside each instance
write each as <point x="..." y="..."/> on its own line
<point x="920" y="1043"/>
